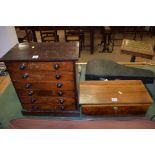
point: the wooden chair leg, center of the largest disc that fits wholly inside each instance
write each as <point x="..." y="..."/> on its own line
<point x="133" y="58"/>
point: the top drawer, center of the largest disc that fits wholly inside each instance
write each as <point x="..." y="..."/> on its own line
<point x="51" y="66"/>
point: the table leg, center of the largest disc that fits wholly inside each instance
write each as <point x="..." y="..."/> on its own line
<point x="133" y="58"/>
<point x="92" y="40"/>
<point x="34" y="36"/>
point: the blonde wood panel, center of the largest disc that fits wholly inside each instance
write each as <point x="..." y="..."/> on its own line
<point x="124" y="91"/>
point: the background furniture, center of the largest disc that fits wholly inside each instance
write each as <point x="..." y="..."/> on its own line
<point x="137" y="49"/>
<point x="90" y="29"/>
<point x="48" y="34"/>
<point x="72" y="35"/>
<point x="43" y="75"/>
<point x="107" y="43"/>
<point x="134" y="32"/>
<point x="24" y="34"/>
<point x="114" y="98"/>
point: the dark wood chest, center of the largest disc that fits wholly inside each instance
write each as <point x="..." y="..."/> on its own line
<point x="44" y="77"/>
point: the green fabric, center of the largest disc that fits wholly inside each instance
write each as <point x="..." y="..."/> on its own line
<point x="150" y="114"/>
<point x="103" y="67"/>
<point x="9" y="106"/>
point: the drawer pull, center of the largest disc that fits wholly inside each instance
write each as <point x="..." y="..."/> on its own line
<point x="59" y="85"/>
<point x="25" y="76"/>
<point x="34" y="107"/>
<point x="61" y="101"/>
<point x="56" y="66"/>
<point x="62" y="108"/>
<point x="22" y="67"/>
<point x="30" y="93"/>
<point x="33" y="100"/>
<point x="58" y="76"/>
<point x="27" y="85"/>
<point x="115" y="108"/>
<point x="60" y="93"/>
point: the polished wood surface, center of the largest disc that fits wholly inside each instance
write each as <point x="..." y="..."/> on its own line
<point x="117" y="97"/>
<point x="53" y="51"/>
<point x="137" y="48"/>
<point x="47" y="85"/>
<point x="115" y="110"/>
<point x="43" y="66"/>
<point x="29" y="123"/>
<point x="51" y="93"/>
<point x="40" y="76"/>
<point x="47" y="107"/>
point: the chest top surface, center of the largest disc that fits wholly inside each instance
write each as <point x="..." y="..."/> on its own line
<point x="53" y="51"/>
<point x="114" y="92"/>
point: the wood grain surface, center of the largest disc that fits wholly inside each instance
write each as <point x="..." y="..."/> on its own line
<point x="102" y="92"/>
<point x="137" y="48"/>
<point x="40" y="66"/>
<point x="47" y="51"/>
<point x="116" y="97"/>
<point x="43" y="75"/>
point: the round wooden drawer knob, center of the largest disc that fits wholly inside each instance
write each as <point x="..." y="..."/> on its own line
<point x="56" y="66"/>
<point x="22" y="67"/>
<point x="57" y="76"/>
<point x="27" y="85"/>
<point x="59" y="85"/>
<point x="61" y="101"/>
<point x="60" y="93"/>
<point x="33" y="100"/>
<point x="25" y="76"/>
<point x="62" y="108"/>
<point x="115" y="108"/>
<point x="30" y="93"/>
<point x="35" y="107"/>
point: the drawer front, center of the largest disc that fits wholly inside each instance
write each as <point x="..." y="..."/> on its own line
<point x="46" y="100"/>
<point x="39" y="93"/>
<point x="47" y="107"/>
<point x="44" y="86"/>
<point x="63" y="85"/>
<point x="42" y="76"/>
<point x="116" y="110"/>
<point x="40" y="66"/>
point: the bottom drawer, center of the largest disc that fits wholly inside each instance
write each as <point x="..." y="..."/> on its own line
<point x="47" y="107"/>
<point x="115" y="110"/>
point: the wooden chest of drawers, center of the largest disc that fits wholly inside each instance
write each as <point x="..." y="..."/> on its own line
<point x="44" y="76"/>
<point x="114" y="98"/>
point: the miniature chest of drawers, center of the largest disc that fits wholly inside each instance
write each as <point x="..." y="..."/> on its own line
<point x="44" y="77"/>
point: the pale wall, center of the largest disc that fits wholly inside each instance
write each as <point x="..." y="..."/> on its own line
<point x="8" y="39"/>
